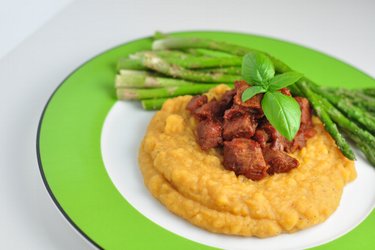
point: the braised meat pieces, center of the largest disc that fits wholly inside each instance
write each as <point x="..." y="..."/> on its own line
<point x="242" y="126"/>
<point x="278" y="161"/>
<point x="210" y="134"/>
<point x="244" y="156"/>
<point x="251" y="145"/>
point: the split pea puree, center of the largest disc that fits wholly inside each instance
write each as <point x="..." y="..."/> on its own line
<point x="194" y="184"/>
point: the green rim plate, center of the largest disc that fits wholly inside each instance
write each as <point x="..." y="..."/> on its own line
<point x="69" y="154"/>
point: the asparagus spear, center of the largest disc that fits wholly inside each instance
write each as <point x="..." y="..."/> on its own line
<point x="347" y="124"/>
<point x="128" y="63"/>
<point x="360" y="115"/>
<point x="355" y="94"/>
<point x="156" y="63"/>
<point x="206" y="52"/>
<point x="133" y="62"/>
<point x="344" y="105"/>
<point x="364" y="139"/>
<point x="202" y="43"/>
<point x="192" y="62"/>
<point x="188" y="43"/>
<point x="162" y="53"/>
<point x="224" y="70"/>
<point x="358" y="97"/>
<point x="205" y="63"/>
<point x="344" y="122"/>
<point x="366" y="93"/>
<point x="183" y="54"/>
<point x="153" y="104"/>
<point x="323" y="114"/>
<point x="143" y="79"/>
<point x="140" y="94"/>
<point x="367" y="150"/>
<point x="369" y="91"/>
<point x="366" y="104"/>
<point x="296" y="91"/>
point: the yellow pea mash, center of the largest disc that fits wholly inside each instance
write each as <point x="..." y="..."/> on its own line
<point x="194" y="184"/>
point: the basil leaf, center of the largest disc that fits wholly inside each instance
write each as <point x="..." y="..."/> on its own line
<point x="257" y="67"/>
<point x="284" y="80"/>
<point x="252" y="91"/>
<point x="283" y="112"/>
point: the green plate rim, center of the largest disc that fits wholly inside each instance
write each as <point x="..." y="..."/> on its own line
<point x="39" y="157"/>
<point x="40" y="165"/>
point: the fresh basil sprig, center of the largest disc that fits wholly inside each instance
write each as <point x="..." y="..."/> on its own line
<point x="283" y="112"/>
<point x="257" y="67"/>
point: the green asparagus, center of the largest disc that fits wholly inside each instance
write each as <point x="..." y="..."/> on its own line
<point x="345" y="123"/>
<point x="357" y="97"/>
<point x="367" y="149"/>
<point x="296" y="91"/>
<point x="329" y="125"/>
<point x="153" y="104"/>
<point x="128" y="63"/>
<point x="161" y="53"/>
<point x="143" y="79"/>
<point x="206" y="52"/>
<point x="192" y="62"/>
<point x="156" y="63"/>
<point x="369" y="91"/>
<point x="187" y="43"/>
<point x="224" y="70"/>
<point x="140" y="94"/>
<point x="344" y="105"/>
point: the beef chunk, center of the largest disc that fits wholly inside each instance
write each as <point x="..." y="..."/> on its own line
<point x="209" y="134"/>
<point x="253" y="103"/>
<point x="278" y="161"/>
<point x="306" y="129"/>
<point x="309" y="132"/>
<point x="273" y="134"/>
<point x="306" y="112"/>
<point x="227" y="100"/>
<point x="239" y="126"/>
<point x="196" y="102"/>
<point x="285" y="91"/>
<point x="298" y="142"/>
<point x="235" y="111"/>
<point x="244" y="157"/>
<point x="300" y="139"/>
<point x="210" y="110"/>
<point x="262" y="137"/>
<point x="213" y="109"/>
<point x="275" y="139"/>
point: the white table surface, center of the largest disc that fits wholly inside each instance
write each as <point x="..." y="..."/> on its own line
<point x="33" y="61"/>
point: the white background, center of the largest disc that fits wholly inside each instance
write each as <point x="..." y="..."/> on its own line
<point x="42" y="41"/>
